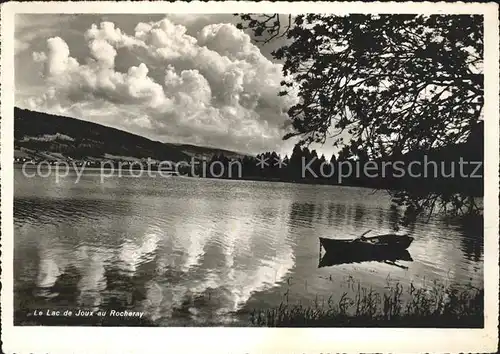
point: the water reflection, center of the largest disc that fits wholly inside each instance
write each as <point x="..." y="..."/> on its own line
<point x="302" y="213"/>
<point x="394" y="217"/>
<point x="329" y="259"/>
<point x="191" y="252"/>
<point x="471" y="236"/>
<point x="359" y="212"/>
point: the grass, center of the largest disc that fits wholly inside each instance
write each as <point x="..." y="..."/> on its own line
<point x="439" y="306"/>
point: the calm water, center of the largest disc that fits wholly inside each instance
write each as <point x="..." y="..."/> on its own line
<point x="203" y="251"/>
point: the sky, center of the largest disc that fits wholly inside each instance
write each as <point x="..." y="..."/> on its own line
<point x="180" y="78"/>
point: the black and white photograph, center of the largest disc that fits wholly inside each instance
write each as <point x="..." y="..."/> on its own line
<point x="251" y="169"/>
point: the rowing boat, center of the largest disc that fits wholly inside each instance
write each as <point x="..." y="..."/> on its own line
<point x="370" y="245"/>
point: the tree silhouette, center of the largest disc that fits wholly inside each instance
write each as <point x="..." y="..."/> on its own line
<point x="400" y="80"/>
<point x="393" y="83"/>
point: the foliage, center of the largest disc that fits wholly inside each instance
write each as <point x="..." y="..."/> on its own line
<point x="393" y="84"/>
<point x="399" y="306"/>
<point x="396" y="83"/>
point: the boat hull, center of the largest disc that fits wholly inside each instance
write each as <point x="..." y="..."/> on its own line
<point x="367" y="246"/>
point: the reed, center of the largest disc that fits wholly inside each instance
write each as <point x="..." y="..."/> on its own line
<point x="437" y="306"/>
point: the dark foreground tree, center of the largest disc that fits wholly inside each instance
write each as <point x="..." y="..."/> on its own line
<point x="392" y="84"/>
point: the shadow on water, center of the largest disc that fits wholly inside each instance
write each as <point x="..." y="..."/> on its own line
<point x="389" y="257"/>
<point x="471" y="236"/>
<point x="302" y="213"/>
<point x="336" y="212"/>
<point x="394" y="218"/>
<point x="359" y="212"/>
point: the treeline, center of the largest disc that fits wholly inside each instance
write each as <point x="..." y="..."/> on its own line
<point x="453" y="170"/>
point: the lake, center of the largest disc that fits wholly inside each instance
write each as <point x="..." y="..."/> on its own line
<point x="190" y="251"/>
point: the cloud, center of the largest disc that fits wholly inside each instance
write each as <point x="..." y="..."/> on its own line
<point x="215" y="88"/>
<point x="39" y="57"/>
<point x="20" y="46"/>
<point x="58" y="61"/>
<point x="103" y="52"/>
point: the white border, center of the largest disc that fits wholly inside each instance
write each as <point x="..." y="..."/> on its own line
<point x="253" y="340"/>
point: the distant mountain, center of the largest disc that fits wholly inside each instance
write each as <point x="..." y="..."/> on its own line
<point x="58" y="137"/>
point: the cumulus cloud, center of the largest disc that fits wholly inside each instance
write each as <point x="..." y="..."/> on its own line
<point x="58" y="60"/>
<point x="215" y="89"/>
<point x="103" y="52"/>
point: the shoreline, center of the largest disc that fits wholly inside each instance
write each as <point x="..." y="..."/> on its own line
<point x="250" y="179"/>
<point x="442" y="307"/>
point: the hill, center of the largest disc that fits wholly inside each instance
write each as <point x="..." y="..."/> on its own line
<point x="48" y="136"/>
